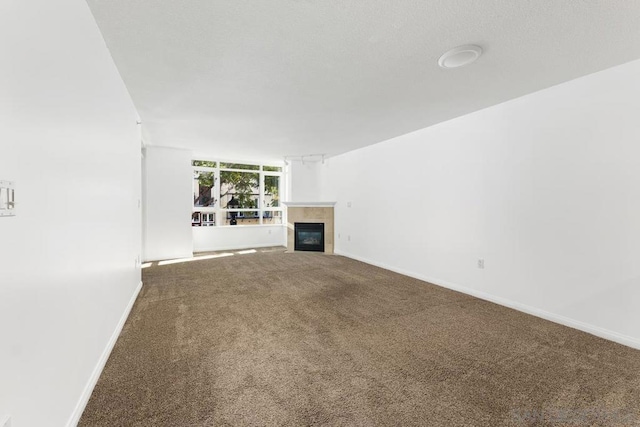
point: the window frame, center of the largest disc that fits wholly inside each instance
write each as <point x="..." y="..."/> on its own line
<point x="221" y="213"/>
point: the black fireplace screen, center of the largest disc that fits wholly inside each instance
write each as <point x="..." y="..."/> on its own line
<point x="309" y="236"/>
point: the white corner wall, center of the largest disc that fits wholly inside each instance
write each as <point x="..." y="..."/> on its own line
<point x="69" y="140"/>
<point x="167" y="198"/>
<point x="305" y="181"/>
<point x="544" y="188"/>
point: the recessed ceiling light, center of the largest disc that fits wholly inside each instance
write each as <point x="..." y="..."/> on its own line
<point x="460" y="56"/>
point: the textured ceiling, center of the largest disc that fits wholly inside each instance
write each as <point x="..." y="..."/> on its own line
<point x="257" y="79"/>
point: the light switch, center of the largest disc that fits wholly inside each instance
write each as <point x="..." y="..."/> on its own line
<point x="7" y="199"/>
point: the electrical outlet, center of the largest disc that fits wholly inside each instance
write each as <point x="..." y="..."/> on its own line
<point x="269" y="231"/>
<point x="348" y="204"/>
<point x="338" y="235"/>
<point x="480" y="263"/>
<point x="5" y="421"/>
<point x="349" y="238"/>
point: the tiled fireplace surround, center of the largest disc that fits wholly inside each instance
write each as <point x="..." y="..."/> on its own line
<point x="318" y="212"/>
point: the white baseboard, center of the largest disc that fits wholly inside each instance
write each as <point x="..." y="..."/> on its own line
<point x="97" y="371"/>
<point x="566" y="321"/>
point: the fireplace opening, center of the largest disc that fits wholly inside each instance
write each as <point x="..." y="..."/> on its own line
<point x="309" y="236"/>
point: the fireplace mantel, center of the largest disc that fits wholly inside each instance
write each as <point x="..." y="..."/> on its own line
<point x="309" y="204"/>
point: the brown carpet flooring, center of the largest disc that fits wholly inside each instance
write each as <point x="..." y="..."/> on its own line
<point x="310" y="339"/>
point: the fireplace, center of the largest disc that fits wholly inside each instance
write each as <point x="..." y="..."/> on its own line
<point x="309" y="214"/>
<point x="309" y="236"/>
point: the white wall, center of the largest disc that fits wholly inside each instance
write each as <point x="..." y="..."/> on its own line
<point x="238" y="237"/>
<point x="168" y="192"/>
<point x="69" y="139"/>
<point x="305" y="181"/>
<point x="544" y="188"/>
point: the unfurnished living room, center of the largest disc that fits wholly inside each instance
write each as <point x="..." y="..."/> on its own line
<point x="319" y="213"/>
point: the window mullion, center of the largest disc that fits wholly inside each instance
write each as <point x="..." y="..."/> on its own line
<point x="216" y="194"/>
<point x="262" y="196"/>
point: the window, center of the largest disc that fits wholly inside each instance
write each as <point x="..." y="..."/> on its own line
<point x="204" y="163"/>
<point x="236" y="194"/>
<point x="239" y="166"/>
<point x="272" y="191"/>
<point x="272" y="168"/>
<point x="239" y="189"/>
<point x="203" y="189"/>
<point x="271" y="185"/>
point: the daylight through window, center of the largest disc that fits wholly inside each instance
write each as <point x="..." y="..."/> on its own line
<point x="235" y="194"/>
